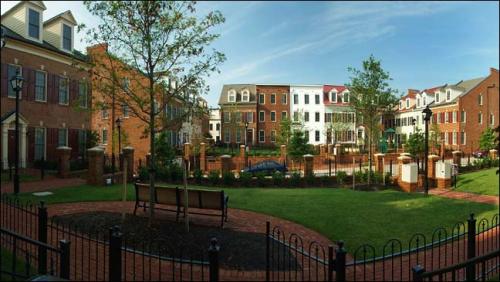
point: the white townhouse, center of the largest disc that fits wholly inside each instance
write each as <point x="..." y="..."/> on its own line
<point x="214" y="124"/>
<point x="307" y="108"/>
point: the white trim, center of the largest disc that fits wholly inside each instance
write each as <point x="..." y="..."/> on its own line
<point x="263" y="117"/>
<point x="271" y="116"/>
<point x="270" y="100"/>
<point x="45" y="86"/>
<point x="59" y="91"/>
<point x="263" y="135"/>
<point x="40" y="24"/>
<point x="245" y="94"/>
<point x="102" y="136"/>
<point x="62" y="37"/>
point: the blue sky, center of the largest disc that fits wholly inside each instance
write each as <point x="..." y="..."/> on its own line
<point x="421" y="44"/>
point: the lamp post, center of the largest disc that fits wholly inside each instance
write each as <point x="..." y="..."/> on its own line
<point x="119" y="126"/>
<point x="427" y="116"/>
<point x="246" y="133"/>
<point x="2" y="37"/>
<point x="16" y="82"/>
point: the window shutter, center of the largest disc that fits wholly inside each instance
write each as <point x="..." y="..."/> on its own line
<point x="73" y="92"/>
<point x="73" y="142"/>
<point x="450" y="137"/>
<point x="55" y="97"/>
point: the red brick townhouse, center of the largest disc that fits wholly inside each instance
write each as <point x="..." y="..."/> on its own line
<point x="272" y="107"/>
<point x="464" y="110"/>
<point x="54" y="98"/>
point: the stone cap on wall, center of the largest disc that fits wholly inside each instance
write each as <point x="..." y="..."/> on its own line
<point x="63" y="148"/>
<point x="225" y="157"/>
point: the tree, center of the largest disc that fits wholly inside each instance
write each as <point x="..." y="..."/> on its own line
<point x="284" y="132"/>
<point x="435" y="136"/>
<point x="371" y="98"/>
<point x="92" y="137"/>
<point x="487" y="140"/>
<point x="416" y="144"/>
<point x="159" y="43"/>
<point x="298" y="145"/>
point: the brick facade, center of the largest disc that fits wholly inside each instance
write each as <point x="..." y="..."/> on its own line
<point x="275" y="107"/>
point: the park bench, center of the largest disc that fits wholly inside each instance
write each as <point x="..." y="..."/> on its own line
<point x="174" y="196"/>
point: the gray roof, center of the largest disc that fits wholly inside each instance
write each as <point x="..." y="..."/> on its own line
<point x="223" y="99"/>
<point x="465" y="86"/>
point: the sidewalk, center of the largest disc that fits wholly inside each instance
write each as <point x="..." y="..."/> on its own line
<point x="42" y="185"/>
<point x="447" y="193"/>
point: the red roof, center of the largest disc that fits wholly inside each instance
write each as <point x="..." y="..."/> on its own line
<point x="326" y="91"/>
<point x="431" y="90"/>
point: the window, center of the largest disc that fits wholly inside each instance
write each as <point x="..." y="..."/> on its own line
<point x="423" y="101"/>
<point x="480" y="118"/>
<point x="227" y="117"/>
<point x="454" y="117"/>
<point x="283" y="115"/>
<point x="492" y="119"/>
<point x="227" y="135"/>
<point x="104" y="113"/>
<point x="262" y="116"/>
<point x="262" y="99"/>
<point x="333" y="97"/>
<point x="62" y="137"/>
<point x="454" y="138"/>
<point x="316" y="99"/>
<point x="462" y="137"/>
<point x="273" y="116"/>
<point x="39" y="143"/>
<point x="448" y="95"/>
<point x="232" y="96"/>
<point x="249" y="117"/>
<point x="463" y="116"/>
<point x="407" y="103"/>
<point x="11" y="71"/>
<point x="400" y="105"/>
<point x="346" y="97"/>
<point x="238" y="136"/>
<point x="273" y="98"/>
<point x="211" y="126"/>
<point x="104" y="136"/>
<point x="316" y="116"/>
<point x="283" y="99"/>
<point x="34" y="24"/>
<point x="245" y="96"/>
<point x="237" y="117"/>
<point x="446" y="117"/>
<point x="125" y="110"/>
<point x="217" y="126"/>
<point x="63" y="91"/>
<point x="82" y="93"/>
<point x="316" y="135"/>
<point x="306" y="116"/>
<point x="40" y="89"/>
<point x="295" y="99"/>
<point x="436" y="97"/>
<point x="82" y="142"/>
<point x="480" y="99"/>
<point x="273" y="136"/>
<point x="446" y="138"/>
<point x="126" y="83"/>
<point x="306" y="99"/>
<point x="295" y="116"/>
<point x="67" y="35"/>
<point x="262" y="138"/>
<point x="418" y="102"/>
<point x="438" y="118"/>
<point x="306" y="135"/>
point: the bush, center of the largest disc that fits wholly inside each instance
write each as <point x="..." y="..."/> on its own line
<point x="295" y="179"/>
<point x="360" y="176"/>
<point x="228" y="178"/>
<point x="377" y="177"/>
<point x="310" y="179"/>
<point x="245" y="178"/>
<point x="198" y="175"/>
<point x="176" y="173"/>
<point x="278" y="178"/>
<point x="213" y="177"/>
<point x="341" y="177"/>
<point x="143" y="174"/>
<point x="325" y="180"/>
<point x="78" y="164"/>
<point x="388" y="177"/>
<point x="261" y="178"/>
<point x="163" y="174"/>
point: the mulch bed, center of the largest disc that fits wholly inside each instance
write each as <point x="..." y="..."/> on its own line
<point x="238" y="250"/>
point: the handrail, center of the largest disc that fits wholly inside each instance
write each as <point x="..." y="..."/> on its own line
<point x="26" y="239"/>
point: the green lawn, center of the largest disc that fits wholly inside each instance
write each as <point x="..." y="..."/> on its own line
<point x="22" y="177"/>
<point x="7" y="265"/>
<point x="483" y="182"/>
<point x="340" y="214"/>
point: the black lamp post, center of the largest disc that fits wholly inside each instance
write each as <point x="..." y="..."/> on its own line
<point x="16" y="82"/>
<point x="427" y="116"/>
<point x="2" y="37"/>
<point x="246" y="133"/>
<point x="119" y="125"/>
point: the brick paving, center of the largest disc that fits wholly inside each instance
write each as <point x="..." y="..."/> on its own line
<point x="50" y="182"/>
<point x="448" y="193"/>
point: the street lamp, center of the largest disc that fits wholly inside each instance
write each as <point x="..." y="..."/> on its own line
<point x="427" y="116"/>
<point x="2" y="37"/>
<point x="246" y="133"/>
<point x="16" y="82"/>
<point x="119" y="125"/>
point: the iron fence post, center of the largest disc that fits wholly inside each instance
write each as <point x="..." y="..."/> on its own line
<point x="268" y="243"/>
<point x="42" y="237"/>
<point x="329" y="167"/>
<point x="213" y="260"/>
<point x="64" y="246"/>
<point x="330" y="263"/>
<point x="390" y="167"/>
<point x="115" y="254"/>
<point x="417" y="272"/>
<point x="471" y="247"/>
<point x="340" y="254"/>
<point x="360" y="161"/>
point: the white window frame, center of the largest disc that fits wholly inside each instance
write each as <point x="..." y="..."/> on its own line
<point x="446" y="141"/>
<point x="44" y="142"/>
<point x="407" y="103"/>
<point x="464" y="119"/>
<point x="72" y="37"/>
<point x="67" y="133"/>
<point x="492" y="119"/>
<point x="284" y="98"/>
<point x="45" y="87"/>
<point x="448" y="95"/>
<point x="271" y="100"/>
<point x="245" y="96"/>
<point x="249" y="114"/>
<point x="454" y="115"/>
<point x="436" y="97"/>
<point x="102" y="136"/>
<point x="418" y="102"/>
<point x="454" y="136"/>
<point x="480" y="99"/>
<point x="465" y="138"/>
<point x="333" y="94"/>
<point x="271" y="116"/>
<point x="346" y="94"/>
<point x="40" y="25"/>
<point x="59" y="90"/>
<point x="438" y="117"/>
<point x="262" y="134"/>
<point x="263" y="99"/>
<point x="231" y="94"/>
<point x="480" y="118"/>
<point x="263" y="116"/>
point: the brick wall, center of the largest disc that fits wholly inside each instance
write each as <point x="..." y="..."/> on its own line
<point x="267" y="107"/>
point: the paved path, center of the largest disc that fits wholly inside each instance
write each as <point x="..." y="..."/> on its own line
<point x="47" y="184"/>
<point x="448" y="193"/>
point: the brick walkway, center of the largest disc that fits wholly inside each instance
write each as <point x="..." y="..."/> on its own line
<point x="49" y="183"/>
<point x="448" y="193"/>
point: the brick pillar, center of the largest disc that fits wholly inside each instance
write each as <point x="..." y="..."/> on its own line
<point x="408" y="181"/>
<point x="187" y="151"/>
<point x="225" y="163"/>
<point x="96" y="161"/>
<point x="128" y="154"/>
<point x="283" y="153"/>
<point x="148" y="159"/>
<point x="243" y="158"/>
<point x="457" y="157"/>
<point x="443" y="175"/>
<point x="493" y="154"/>
<point x="379" y="163"/>
<point x="441" y="153"/>
<point x="402" y="160"/>
<point x="63" y="154"/>
<point x="322" y="150"/>
<point x="308" y="164"/>
<point x="431" y="162"/>
<point x="330" y="149"/>
<point x="203" y="158"/>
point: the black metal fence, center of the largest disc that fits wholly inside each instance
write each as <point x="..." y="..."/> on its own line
<point x="291" y="258"/>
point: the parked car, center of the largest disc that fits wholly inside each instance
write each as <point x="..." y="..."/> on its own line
<point x="480" y="154"/>
<point x="267" y="166"/>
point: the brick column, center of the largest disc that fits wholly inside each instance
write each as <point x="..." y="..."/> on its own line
<point x="493" y="154"/>
<point x="330" y="149"/>
<point x="96" y="161"/>
<point x="409" y="177"/>
<point x="187" y="151"/>
<point x="431" y="162"/>
<point x="379" y="163"/>
<point x="225" y="163"/>
<point x="203" y="158"/>
<point x="128" y="154"/>
<point x="338" y="149"/>
<point x="243" y="158"/>
<point x="63" y="154"/>
<point x="322" y="150"/>
<point x="308" y="164"/>
<point x="443" y="175"/>
<point x="402" y="160"/>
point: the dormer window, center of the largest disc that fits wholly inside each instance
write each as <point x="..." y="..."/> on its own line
<point x="418" y="102"/>
<point x="333" y="96"/>
<point x="437" y="97"/>
<point x="67" y="37"/>
<point x="346" y="97"/>
<point x="245" y="96"/>
<point x="231" y="96"/>
<point x="448" y="95"/>
<point x="34" y="24"/>
<point x="400" y="105"/>
<point x="407" y="103"/>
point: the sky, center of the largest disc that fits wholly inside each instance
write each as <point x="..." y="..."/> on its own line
<point x="421" y="44"/>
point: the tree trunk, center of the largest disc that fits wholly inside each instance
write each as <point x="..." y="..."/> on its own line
<point x="186" y="200"/>
<point x="370" y="136"/>
<point x="152" y="171"/>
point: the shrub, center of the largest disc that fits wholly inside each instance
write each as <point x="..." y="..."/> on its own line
<point x="377" y="177"/>
<point x="295" y="179"/>
<point x="278" y="178"/>
<point x="388" y="178"/>
<point x="245" y="178"/>
<point x="341" y="177"/>
<point x="143" y="173"/>
<point x="261" y="178"/>
<point x="198" y="175"/>
<point x="213" y="177"/>
<point x="176" y="173"/>
<point x="163" y="173"/>
<point x="325" y="180"/>
<point x="228" y="178"/>
<point x="359" y="176"/>
<point x="310" y="179"/>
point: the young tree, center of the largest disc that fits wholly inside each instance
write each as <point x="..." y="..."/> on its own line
<point x="371" y="97"/>
<point x="298" y="145"/>
<point x="154" y="40"/>
<point x="284" y="132"/>
<point x="487" y="139"/>
<point x="435" y="137"/>
<point x="416" y="144"/>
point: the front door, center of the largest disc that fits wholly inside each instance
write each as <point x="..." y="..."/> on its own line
<point x="249" y="136"/>
<point x="12" y="146"/>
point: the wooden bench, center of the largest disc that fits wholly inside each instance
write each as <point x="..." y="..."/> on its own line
<point x="174" y="196"/>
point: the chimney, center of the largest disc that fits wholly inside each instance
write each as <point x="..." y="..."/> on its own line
<point x="99" y="48"/>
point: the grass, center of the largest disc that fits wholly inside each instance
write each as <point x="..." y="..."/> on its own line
<point x="7" y="265"/>
<point x="339" y="214"/>
<point x="22" y="177"/>
<point x="484" y="182"/>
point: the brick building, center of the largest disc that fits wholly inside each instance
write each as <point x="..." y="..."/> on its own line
<point x="272" y="107"/>
<point x="55" y="95"/>
<point x="340" y="118"/>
